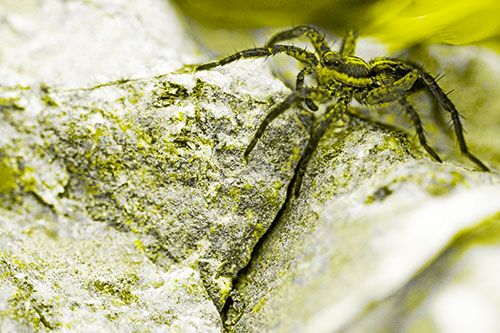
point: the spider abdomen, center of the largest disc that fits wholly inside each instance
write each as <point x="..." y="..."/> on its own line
<point x="326" y="74"/>
<point x="347" y="70"/>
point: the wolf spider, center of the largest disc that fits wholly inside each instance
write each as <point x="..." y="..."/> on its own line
<point x="341" y="76"/>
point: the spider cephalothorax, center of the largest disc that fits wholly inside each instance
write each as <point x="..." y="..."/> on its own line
<point x="341" y="77"/>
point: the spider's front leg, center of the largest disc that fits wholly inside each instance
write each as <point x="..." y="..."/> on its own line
<point x="300" y="84"/>
<point x="305" y="57"/>
<point x="349" y="42"/>
<point x="318" y="94"/>
<point x="317" y="39"/>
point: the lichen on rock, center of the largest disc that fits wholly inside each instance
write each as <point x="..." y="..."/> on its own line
<point x="159" y="160"/>
<point x="355" y="233"/>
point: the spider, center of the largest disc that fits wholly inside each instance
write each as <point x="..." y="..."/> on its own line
<point x="340" y="77"/>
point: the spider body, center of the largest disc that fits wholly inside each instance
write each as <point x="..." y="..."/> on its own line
<point x="341" y="77"/>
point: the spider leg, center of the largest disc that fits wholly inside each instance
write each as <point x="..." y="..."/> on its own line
<point x="300" y="84"/>
<point x="348" y="46"/>
<point x="317" y="39"/>
<point x="402" y="87"/>
<point x="318" y="94"/>
<point x="419" y="128"/>
<point x="446" y="103"/>
<point x="305" y="57"/>
<point x="333" y="111"/>
<point x="394" y="91"/>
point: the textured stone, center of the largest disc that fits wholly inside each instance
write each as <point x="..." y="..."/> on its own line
<point x="369" y="217"/>
<point x="127" y="205"/>
<point x="78" y="44"/>
<point x="160" y="159"/>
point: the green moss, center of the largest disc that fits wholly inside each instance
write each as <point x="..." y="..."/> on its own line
<point x="121" y="291"/>
<point x="9" y="103"/>
<point x="47" y="100"/>
<point x="379" y="195"/>
<point x="134" y="98"/>
<point x="438" y="184"/>
<point x="8" y="176"/>
<point x="390" y="143"/>
<point x="23" y="306"/>
<point x="259" y="305"/>
<point x="259" y="230"/>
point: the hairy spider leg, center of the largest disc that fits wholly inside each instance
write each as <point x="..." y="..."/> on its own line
<point x="333" y="112"/>
<point x="305" y="57"/>
<point x="300" y="84"/>
<point x="396" y="92"/>
<point x="403" y="86"/>
<point x="348" y="46"/>
<point x="318" y="41"/>
<point x="317" y="38"/>
<point x="455" y="117"/>
<point x="318" y="94"/>
<point x="417" y="122"/>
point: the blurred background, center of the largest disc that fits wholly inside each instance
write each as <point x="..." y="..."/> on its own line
<point x="398" y="23"/>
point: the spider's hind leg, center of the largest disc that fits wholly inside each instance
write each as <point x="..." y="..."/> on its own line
<point x="397" y="92"/>
<point x="446" y="103"/>
<point x="417" y="122"/>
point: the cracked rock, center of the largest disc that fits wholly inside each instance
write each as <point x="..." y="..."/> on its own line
<point x="157" y="159"/>
<point x="359" y="232"/>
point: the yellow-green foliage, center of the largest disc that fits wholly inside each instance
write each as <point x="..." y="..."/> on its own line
<point x="399" y="23"/>
<point x="404" y="23"/>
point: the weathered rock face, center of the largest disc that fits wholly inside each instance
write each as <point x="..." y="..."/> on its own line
<point x="124" y="196"/>
<point x="159" y="159"/>
<point x="126" y="203"/>
<point x="368" y="219"/>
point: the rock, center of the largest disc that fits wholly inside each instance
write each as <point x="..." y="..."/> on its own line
<point x="370" y="218"/>
<point x="69" y="274"/>
<point x="379" y="229"/>
<point x="381" y="238"/>
<point x="159" y="160"/>
<point x="81" y="44"/>
<point x="127" y="202"/>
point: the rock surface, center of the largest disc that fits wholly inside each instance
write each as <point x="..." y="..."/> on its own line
<point x="79" y="44"/>
<point x="127" y="205"/>
<point x="157" y="159"/>
<point x="368" y="221"/>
